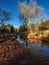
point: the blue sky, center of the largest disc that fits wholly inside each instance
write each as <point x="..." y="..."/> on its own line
<point x="11" y="5"/>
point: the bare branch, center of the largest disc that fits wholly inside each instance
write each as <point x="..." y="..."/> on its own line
<point x="4" y="16"/>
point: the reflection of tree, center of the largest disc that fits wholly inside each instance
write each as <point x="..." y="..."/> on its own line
<point x="45" y="44"/>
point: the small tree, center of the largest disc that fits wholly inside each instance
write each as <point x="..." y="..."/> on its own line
<point x="10" y="28"/>
<point x="23" y="31"/>
<point x="4" y="16"/>
<point x="3" y="28"/>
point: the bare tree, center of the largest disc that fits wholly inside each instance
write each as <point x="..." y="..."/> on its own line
<point x="4" y="16"/>
<point x="28" y="12"/>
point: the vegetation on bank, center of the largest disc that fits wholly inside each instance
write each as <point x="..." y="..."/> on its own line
<point x="43" y="29"/>
<point x="44" y="25"/>
<point x="11" y="51"/>
<point x="7" y="29"/>
<point x="7" y="32"/>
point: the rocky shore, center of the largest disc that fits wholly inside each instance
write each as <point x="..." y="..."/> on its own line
<point x="13" y="53"/>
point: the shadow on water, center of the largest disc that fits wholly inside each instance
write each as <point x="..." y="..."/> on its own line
<point x="39" y="49"/>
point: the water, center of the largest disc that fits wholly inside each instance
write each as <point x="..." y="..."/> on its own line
<point x="36" y="46"/>
<point x="41" y="52"/>
<point x="39" y="49"/>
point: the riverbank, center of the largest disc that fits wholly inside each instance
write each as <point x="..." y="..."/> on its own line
<point x="4" y="37"/>
<point x="43" y="38"/>
<point x="10" y="52"/>
<point x="13" y="53"/>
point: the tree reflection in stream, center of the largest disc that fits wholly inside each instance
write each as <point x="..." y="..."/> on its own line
<point x="39" y="49"/>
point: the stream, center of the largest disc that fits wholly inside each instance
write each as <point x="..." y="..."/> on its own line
<point x="38" y="48"/>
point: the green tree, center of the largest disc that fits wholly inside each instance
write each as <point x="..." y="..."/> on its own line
<point x="3" y="28"/>
<point x="23" y="31"/>
<point x="44" y="25"/>
<point x="10" y="28"/>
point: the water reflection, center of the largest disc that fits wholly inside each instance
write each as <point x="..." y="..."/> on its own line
<point x="41" y="51"/>
<point x="38" y="48"/>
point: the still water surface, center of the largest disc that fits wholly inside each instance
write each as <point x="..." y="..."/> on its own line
<point x="39" y="49"/>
